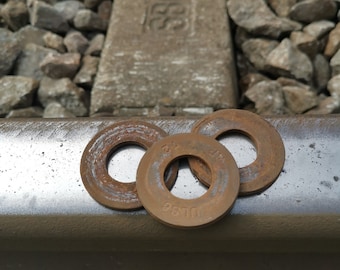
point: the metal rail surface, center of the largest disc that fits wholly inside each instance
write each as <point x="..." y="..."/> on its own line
<point x="44" y="205"/>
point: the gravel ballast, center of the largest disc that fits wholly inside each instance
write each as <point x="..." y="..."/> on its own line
<point x="287" y="55"/>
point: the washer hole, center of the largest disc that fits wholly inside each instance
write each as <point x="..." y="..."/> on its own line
<point x="123" y="163"/>
<point x="240" y="146"/>
<point x="187" y="185"/>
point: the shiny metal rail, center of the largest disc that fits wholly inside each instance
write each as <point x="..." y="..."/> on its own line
<point x="44" y="205"/>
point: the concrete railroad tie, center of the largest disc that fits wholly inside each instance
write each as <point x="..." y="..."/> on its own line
<point x="166" y="57"/>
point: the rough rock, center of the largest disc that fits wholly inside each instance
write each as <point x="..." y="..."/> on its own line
<point x="29" y="60"/>
<point x="322" y="43"/>
<point x="30" y="112"/>
<point x="88" y="20"/>
<point x="69" y="9"/>
<point x="243" y="65"/>
<point x="335" y="63"/>
<point x="15" y="14"/>
<point x="327" y="105"/>
<point x="87" y="73"/>
<point x="241" y="36"/>
<point x="91" y="4"/>
<point x="333" y="86"/>
<point x="305" y="42"/>
<point x="56" y="110"/>
<point x="257" y="50"/>
<point x="250" y="80"/>
<point x="96" y="45"/>
<point x="299" y="99"/>
<point x="287" y="60"/>
<point x="268" y="97"/>
<point x="29" y="3"/>
<point x="75" y="42"/>
<point x="16" y="92"/>
<point x="313" y="10"/>
<point x="54" y="41"/>
<point x="104" y="10"/>
<point x="319" y="29"/>
<point x="2" y="23"/>
<point x="333" y="44"/>
<point x="257" y="18"/>
<point x="322" y="71"/>
<point x="60" y="65"/>
<point x="47" y="17"/>
<point x="284" y="81"/>
<point x="9" y="51"/>
<point x="282" y="7"/>
<point x="65" y="92"/>
<point x="31" y="34"/>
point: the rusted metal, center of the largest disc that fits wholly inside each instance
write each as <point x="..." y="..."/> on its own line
<point x="261" y="173"/>
<point x="45" y="206"/>
<point x="183" y="213"/>
<point x="100" y="185"/>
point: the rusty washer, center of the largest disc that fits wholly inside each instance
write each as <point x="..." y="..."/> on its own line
<point x="94" y="172"/>
<point x="269" y="146"/>
<point x="184" y="213"/>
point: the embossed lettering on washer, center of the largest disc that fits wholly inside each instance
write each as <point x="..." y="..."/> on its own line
<point x="182" y="213"/>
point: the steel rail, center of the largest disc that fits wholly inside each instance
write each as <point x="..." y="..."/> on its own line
<point x="44" y="205"/>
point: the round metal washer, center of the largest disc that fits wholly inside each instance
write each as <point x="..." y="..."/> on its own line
<point x="185" y="213"/>
<point x="94" y="172"/>
<point x="261" y="173"/>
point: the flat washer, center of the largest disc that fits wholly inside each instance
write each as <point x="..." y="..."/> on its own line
<point x="187" y="213"/>
<point x="261" y="173"/>
<point x="94" y="172"/>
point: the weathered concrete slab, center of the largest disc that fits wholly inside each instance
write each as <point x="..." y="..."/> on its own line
<point x="166" y="53"/>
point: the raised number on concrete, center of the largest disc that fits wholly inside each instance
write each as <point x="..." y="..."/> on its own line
<point x="168" y="16"/>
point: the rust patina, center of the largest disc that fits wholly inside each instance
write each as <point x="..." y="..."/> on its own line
<point x="185" y="213"/>
<point x="261" y="173"/>
<point x="94" y="170"/>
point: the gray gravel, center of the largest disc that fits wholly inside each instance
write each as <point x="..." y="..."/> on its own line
<point x="287" y="55"/>
<point x="268" y="53"/>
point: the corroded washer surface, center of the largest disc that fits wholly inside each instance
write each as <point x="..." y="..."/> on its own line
<point x="269" y="146"/>
<point x="94" y="172"/>
<point x="184" y="213"/>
